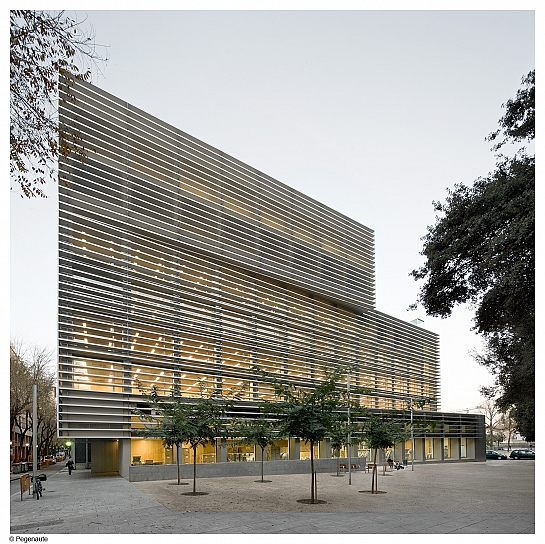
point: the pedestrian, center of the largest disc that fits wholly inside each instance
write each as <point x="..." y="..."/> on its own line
<point x="70" y="465"/>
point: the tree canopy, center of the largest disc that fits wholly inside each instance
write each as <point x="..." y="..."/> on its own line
<point x="381" y="432"/>
<point x="177" y="419"/>
<point x="311" y="413"/>
<point x="44" y="45"/>
<point x="481" y="251"/>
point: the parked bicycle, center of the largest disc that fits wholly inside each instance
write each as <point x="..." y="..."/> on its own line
<point x="37" y="488"/>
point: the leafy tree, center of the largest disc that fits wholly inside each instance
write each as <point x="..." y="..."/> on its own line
<point x="481" y="251"/>
<point x="381" y="432"/>
<point x="44" y="46"/>
<point x="176" y="420"/>
<point x="341" y="430"/>
<point x="309" y="413"/>
<point x="259" y="432"/>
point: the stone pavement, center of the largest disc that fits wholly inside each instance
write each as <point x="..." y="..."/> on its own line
<point x="496" y="497"/>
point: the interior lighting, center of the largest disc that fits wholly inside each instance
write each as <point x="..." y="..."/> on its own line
<point x="153" y="350"/>
<point x="138" y="370"/>
<point x="84" y="325"/>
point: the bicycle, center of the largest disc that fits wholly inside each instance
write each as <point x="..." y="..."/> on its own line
<point x="38" y="488"/>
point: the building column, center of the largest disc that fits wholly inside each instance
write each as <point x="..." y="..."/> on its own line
<point x="295" y="448"/>
<point x="221" y="450"/>
<point x="124" y="457"/>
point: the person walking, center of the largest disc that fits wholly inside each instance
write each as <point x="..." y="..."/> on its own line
<point x="70" y="466"/>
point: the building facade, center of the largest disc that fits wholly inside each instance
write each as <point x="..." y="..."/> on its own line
<point x="181" y="264"/>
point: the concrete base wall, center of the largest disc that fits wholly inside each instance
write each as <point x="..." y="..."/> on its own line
<point x="142" y="473"/>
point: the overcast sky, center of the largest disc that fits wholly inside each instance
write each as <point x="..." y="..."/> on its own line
<point x="373" y="113"/>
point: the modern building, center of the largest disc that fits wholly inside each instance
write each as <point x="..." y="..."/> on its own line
<point x="179" y="263"/>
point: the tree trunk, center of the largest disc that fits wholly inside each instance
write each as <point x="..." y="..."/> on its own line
<point x="312" y="472"/>
<point x="374" y="476"/>
<point x="262" y="456"/>
<point x="194" y="469"/>
<point x="178" y="460"/>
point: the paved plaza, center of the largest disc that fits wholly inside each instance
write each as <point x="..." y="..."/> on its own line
<point x="496" y="497"/>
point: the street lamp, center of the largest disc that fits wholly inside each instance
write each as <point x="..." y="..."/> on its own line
<point x="349" y="437"/>
<point x="412" y="438"/>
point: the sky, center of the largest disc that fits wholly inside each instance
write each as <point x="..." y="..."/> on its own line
<point x="373" y="113"/>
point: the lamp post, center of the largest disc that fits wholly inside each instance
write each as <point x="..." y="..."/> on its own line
<point x="349" y="437"/>
<point x="412" y="438"/>
<point x="34" y="432"/>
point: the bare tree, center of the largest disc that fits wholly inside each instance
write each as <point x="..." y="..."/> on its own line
<point x="29" y="366"/>
<point x="491" y="413"/>
<point x="48" y="51"/>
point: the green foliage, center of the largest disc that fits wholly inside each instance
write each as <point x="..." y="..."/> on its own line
<point x="176" y="419"/>
<point x="43" y="46"/>
<point x="482" y="252"/>
<point x="310" y="413"/>
<point x="259" y="432"/>
<point x="381" y="432"/>
<point x="518" y="123"/>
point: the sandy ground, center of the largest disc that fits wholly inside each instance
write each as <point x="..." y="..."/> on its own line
<point x="494" y="486"/>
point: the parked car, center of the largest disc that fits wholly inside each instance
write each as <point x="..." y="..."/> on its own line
<point x="491" y="454"/>
<point x="522" y="454"/>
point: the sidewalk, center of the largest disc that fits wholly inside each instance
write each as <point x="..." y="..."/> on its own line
<point x="496" y="497"/>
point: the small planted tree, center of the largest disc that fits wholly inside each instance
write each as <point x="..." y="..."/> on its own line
<point x="345" y="434"/>
<point x="176" y="420"/>
<point x="381" y="432"/>
<point x="308" y="413"/>
<point x="258" y="432"/>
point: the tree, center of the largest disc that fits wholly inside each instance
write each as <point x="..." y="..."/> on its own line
<point x="491" y="414"/>
<point x="344" y="434"/>
<point x="43" y="47"/>
<point x="381" y="432"/>
<point x="481" y="251"/>
<point x="309" y="413"/>
<point x="259" y="432"/>
<point x="176" y="420"/>
<point x="29" y="366"/>
<point x="507" y="426"/>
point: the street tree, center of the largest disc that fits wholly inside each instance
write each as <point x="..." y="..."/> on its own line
<point x="176" y="419"/>
<point x="48" y="51"/>
<point x="507" y="426"/>
<point x="345" y="434"/>
<point x="29" y="366"/>
<point x="381" y="432"/>
<point x="491" y="412"/>
<point x="309" y="412"/>
<point x="259" y="432"/>
<point x="481" y="251"/>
